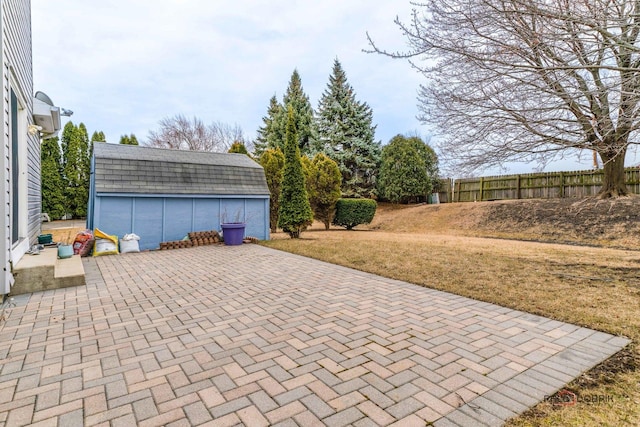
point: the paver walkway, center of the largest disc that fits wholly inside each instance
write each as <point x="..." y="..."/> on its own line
<point x="248" y="335"/>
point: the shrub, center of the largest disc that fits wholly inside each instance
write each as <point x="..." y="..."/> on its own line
<point x="272" y="160"/>
<point x="238" y="148"/>
<point x="352" y="212"/>
<point x="325" y="181"/>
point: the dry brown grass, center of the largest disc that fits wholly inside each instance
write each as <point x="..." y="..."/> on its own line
<point x="593" y="287"/>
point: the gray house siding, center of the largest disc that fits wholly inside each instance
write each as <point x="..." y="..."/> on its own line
<point x="17" y="77"/>
<point x="161" y="195"/>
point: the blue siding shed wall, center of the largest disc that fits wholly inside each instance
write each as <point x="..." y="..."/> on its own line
<point x="161" y="218"/>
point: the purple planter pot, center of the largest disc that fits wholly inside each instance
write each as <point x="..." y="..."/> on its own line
<point x="233" y="233"/>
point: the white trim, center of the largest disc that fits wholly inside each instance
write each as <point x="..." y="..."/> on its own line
<point x="19" y="249"/>
<point x="21" y="246"/>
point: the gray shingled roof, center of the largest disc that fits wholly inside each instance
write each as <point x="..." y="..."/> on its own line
<point x="145" y="170"/>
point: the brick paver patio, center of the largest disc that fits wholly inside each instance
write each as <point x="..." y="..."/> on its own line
<point x="251" y="336"/>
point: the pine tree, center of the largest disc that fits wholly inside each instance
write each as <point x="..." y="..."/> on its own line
<point x="52" y="181"/>
<point x="346" y="135"/>
<point x="295" y="98"/>
<point x="295" y="211"/>
<point x="272" y="133"/>
<point x="272" y="161"/>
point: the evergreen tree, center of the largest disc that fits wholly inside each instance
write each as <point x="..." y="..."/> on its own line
<point x="295" y="211"/>
<point x="68" y="133"/>
<point x="346" y="135"/>
<point x="272" y="161"/>
<point x="76" y="168"/>
<point x="85" y="164"/>
<point x="95" y="137"/>
<point x="98" y="136"/>
<point x="295" y="98"/>
<point x="325" y="182"/>
<point x="129" y="140"/>
<point x="408" y="171"/>
<point x="238" y="147"/>
<point x="272" y="133"/>
<point x="309" y="170"/>
<point x="52" y="181"/>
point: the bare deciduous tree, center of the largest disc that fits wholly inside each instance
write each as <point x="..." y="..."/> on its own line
<point x="529" y="80"/>
<point x="180" y="133"/>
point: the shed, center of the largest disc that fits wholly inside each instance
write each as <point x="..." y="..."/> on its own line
<point x="161" y="195"/>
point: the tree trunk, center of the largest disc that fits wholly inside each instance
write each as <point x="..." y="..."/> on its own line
<point x="613" y="184"/>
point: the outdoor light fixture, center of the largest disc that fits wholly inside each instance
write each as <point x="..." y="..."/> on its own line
<point x="47" y="116"/>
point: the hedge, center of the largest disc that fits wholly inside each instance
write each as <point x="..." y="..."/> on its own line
<point x="352" y="212"/>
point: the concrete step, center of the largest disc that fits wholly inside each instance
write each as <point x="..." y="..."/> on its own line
<point x="45" y="271"/>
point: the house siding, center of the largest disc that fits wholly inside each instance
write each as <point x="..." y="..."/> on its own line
<point x="17" y="74"/>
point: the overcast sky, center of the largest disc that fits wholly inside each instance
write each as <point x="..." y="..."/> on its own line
<point x="122" y="66"/>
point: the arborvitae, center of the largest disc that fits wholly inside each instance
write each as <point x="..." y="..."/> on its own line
<point x="96" y="137"/>
<point x="73" y="168"/>
<point x="302" y="113"/>
<point x="129" y="140"/>
<point x="272" y="133"/>
<point x="295" y="211"/>
<point x="52" y="181"/>
<point x="85" y="165"/>
<point x="346" y="135"/>
<point x="272" y="160"/>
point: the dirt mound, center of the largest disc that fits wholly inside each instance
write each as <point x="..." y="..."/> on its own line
<point x="594" y="222"/>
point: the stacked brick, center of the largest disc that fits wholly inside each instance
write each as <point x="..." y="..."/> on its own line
<point x="196" y="238"/>
<point x="201" y="238"/>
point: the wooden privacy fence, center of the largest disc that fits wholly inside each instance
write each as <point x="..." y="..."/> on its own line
<point x="545" y="185"/>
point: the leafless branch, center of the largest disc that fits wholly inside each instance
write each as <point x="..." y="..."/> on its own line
<point x="180" y="133"/>
<point x="526" y="79"/>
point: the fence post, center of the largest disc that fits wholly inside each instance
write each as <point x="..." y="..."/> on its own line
<point x="561" y="185"/>
<point x="481" y="188"/>
<point x="458" y="192"/>
<point x="518" y="187"/>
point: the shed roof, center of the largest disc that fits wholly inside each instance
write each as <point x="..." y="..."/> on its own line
<point x="136" y="169"/>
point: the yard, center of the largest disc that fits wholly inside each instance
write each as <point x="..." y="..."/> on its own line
<point x="596" y="287"/>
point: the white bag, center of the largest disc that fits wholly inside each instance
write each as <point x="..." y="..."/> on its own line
<point x="127" y="246"/>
